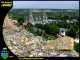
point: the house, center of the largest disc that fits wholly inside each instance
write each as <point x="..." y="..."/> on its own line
<point x="62" y="31"/>
<point x="74" y="20"/>
<point x="68" y="21"/>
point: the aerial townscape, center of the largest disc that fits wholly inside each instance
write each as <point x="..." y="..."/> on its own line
<point x="42" y="32"/>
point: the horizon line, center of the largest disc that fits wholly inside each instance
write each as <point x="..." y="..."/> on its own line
<point x="40" y="8"/>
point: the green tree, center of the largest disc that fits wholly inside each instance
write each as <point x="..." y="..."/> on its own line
<point x="39" y="25"/>
<point x="47" y="27"/>
<point x="67" y="16"/>
<point x="29" y="25"/>
<point x="54" y="30"/>
<point x="76" y="27"/>
<point x="20" y="21"/>
<point x="62" y="17"/>
<point x="76" y="47"/>
<point x="51" y="29"/>
<point x="39" y="32"/>
<point x="51" y="17"/>
<point x="71" y="32"/>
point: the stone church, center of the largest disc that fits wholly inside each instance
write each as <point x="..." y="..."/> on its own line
<point x="34" y="19"/>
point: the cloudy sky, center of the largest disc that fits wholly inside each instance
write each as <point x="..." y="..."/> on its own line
<point x="46" y="4"/>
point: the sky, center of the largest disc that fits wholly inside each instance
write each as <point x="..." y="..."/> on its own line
<point x="46" y="4"/>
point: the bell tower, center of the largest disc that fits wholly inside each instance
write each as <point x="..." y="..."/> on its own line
<point x="31" y="16"/>
<point x="44" y="15"/>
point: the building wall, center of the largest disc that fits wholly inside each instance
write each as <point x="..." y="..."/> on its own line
<point x="62" y="34"/>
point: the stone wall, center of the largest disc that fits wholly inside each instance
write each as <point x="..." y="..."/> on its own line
<point x="63" y="43"/>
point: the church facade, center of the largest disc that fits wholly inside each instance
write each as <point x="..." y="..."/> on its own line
<point x="34" y="19"/>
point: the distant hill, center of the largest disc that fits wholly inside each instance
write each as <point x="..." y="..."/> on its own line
<point x="46" y="10"/>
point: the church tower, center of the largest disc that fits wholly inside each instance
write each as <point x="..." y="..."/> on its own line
<point x="44" y="16"/>
<point x="31" y="16"/>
